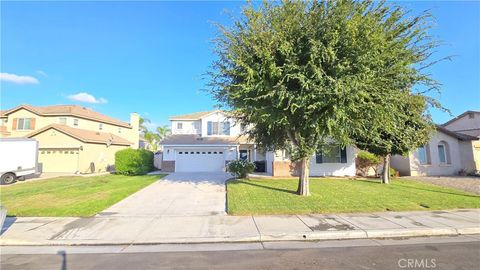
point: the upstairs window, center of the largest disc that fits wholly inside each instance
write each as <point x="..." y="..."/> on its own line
<point x="62" y="120"/>
<point x="179" y="125"/>
<point x="332" y="154"/>
<point x="119" y="130"/>
<point x="218" y="128"/>
<point x="75" y="122"/>
<point x="100" y="126"/>
<point x="24" y="124"/>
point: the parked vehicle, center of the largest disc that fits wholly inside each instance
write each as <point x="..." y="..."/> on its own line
<point x="18" y="158"/>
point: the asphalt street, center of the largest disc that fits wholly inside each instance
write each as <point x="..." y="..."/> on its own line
<point x="429" y="253"/>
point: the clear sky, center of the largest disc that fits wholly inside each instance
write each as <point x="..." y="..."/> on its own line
<point x="150" y="57"/>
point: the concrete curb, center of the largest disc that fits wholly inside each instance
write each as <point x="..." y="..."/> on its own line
<point x="308" y="236"/>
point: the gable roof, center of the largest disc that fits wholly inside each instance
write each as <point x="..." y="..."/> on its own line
<point x="460" y="136"/>
<point x="194" y="139"/>
<point x="68" y="110"/>
<point x="193" y="116"/>
<point x="458" y="117"/>
<point x="87" y="136"/>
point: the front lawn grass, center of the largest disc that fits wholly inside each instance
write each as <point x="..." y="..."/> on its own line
<point x="277" y="196"/>
<point x="70" y="196"/>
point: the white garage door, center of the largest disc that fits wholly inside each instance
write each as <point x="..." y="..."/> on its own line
<point x="199" y="160"/>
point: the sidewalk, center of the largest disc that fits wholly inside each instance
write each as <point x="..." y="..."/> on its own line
<point x="104" y="230"/>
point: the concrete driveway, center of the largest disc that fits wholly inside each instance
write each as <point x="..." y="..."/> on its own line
<point x="177" y="194"/>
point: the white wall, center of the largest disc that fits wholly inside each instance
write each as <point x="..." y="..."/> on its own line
<point x="435" y="168"/>
<point x="465" y="123"/>
<point x="323" y="169"/>
<point x="335" y="169"/>
<point x="188" y="127"/>
<point x="401" y="164"/>
<point x="220" y="117"/>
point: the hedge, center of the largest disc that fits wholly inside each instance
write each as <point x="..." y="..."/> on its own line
<point x="133" y="161"/>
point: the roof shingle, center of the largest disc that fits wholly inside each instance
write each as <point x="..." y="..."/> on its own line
<point x="69" y="110"/>
<point x="84" y="135"/>
<point x="199" y="140"/>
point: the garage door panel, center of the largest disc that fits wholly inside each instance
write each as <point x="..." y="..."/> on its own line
<point x="205" y="160"/>
<point x="58" y="160"/>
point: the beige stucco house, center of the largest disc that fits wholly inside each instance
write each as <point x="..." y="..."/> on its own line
<point x="454" y="147"/>
<point x="71" y="138"/>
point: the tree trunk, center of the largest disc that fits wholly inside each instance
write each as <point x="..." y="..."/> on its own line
<point x="386" y="170"/>
<point x="303" y="180"/>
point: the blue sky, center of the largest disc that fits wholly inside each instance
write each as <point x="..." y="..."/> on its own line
<point x="150" y="57"/>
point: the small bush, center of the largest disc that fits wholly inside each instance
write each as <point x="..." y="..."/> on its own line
<point x="366" y="160"/>
<point x="133" y="161"/>
<point x="393" y="172"/>
<point x="240" y="168"/>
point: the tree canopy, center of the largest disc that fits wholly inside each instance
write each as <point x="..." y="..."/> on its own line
<point x="306" y="73"/>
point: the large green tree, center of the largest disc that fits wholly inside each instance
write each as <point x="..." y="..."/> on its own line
<point x="305" y="73"/>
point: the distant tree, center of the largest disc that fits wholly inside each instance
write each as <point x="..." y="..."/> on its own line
<point x="162" y="132"/>
<point x="143" y="122"/>
<point x="303" y="73"/>
<point x="402" y="128"/>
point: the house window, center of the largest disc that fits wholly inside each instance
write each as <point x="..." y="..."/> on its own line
<point x="24" y="123"/>
<point x="423" y="154"/>
<point x="100" y="126"/>
<point x="62" y="120"/>
<point x="75" y="122"/>
<point x="119" y="130"/>
<point x="218" y="128"/>
<point x="196" y="125"/>
<point x="471" y="115"/>
<point x="179" y="125"/>
<point x="332" y="154"/>
<point x="443" y="153"/>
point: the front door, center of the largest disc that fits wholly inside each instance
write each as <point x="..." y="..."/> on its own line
<point x="244" y="154"/>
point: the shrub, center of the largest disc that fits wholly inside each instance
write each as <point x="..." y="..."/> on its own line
<point x="133" y="161"/>
<point x="240" y="168"/>
<point x="366" y="160"/>
<point x="393" y="172"/>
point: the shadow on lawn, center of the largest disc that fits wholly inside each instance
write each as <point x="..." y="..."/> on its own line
<point x="266" y="187"/>
<point x="400" y="185"/>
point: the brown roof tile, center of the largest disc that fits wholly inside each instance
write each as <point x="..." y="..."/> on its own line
<point x="199" y="140"/>
<point x="84" y="135"/>
<point x="191" y="116"/>
<point x="70" y="110"/>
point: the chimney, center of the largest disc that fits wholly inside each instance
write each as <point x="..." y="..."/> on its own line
<point x="135" y="123"/>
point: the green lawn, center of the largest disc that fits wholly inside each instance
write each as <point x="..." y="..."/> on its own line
<point x="277" y="196"/>
<point x="70" y="196"/>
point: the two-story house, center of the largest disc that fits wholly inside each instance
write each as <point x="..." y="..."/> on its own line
<point x="207" y="141"/>
<point x="71" y="138"/>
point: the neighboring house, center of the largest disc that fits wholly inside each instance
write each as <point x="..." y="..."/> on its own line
<point x="468" y="123"/>
<point x="71" y="138"/>
<point x="453" y="148"/>
<point x="207" y="141"/>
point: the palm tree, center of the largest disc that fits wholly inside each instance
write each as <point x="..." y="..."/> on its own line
<point x="162" y="132"/>
<point x="143" y="127"/>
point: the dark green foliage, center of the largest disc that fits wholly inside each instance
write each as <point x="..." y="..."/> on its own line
<point x="306" y="72"/>
<point x="240" y="168"/>
<point x="133" y="161"/>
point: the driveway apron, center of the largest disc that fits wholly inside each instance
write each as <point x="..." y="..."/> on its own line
<point x="177" y="194"/>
